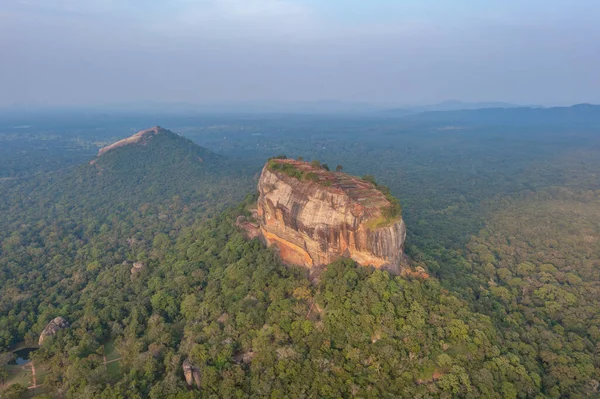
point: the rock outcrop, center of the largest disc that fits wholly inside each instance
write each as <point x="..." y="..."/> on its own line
<point x="137" y="268"/>
<point x="52" y="328"/>
<point x="139" y="137"/>
<point x="314" y="216"/>
<point x="191" y="374"/>
<point x="244" y="357"/>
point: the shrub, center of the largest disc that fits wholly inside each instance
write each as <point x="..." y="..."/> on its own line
<point x="286" y="168"/>
<point x="282" y="156"/>
<point x="370" y="179"/>
<point x="394" y="210"/>
<point x="311" y="176"/>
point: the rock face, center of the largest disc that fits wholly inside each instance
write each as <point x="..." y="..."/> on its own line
<point x="314" y="217"/>
<point x="136" y="138"/>
<point x="52" y="328"/>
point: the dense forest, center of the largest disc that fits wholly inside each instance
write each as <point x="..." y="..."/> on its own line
<point x="505" y="223"/>
<point x="72" y="223"/>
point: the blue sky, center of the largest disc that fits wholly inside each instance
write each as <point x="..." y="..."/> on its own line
<point x="73" y="52"/>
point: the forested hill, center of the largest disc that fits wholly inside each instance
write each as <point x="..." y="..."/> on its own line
<point x="158" y="142"/>
<point x="161" y="168"/>
<point x="59" y="230"/>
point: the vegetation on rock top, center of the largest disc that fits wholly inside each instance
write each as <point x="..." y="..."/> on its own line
<point x="319" y="173"/>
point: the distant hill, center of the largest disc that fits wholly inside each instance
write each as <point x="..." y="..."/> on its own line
<point x="152" y="167"/>
<point x="157" y="142"/>
<point x="576" y="115"/>
<point x="155" y="165"/>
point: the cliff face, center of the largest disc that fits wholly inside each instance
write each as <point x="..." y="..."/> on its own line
<point x="314" y="217"/>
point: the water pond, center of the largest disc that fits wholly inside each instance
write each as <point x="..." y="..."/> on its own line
<point x="22" y="356"/>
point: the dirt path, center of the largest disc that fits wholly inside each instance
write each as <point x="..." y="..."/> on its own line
<point x="309" y="310"/>
<point x="33" y="377"/>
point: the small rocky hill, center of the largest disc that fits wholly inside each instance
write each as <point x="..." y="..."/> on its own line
<point x="157" y="163"/>
<point x="139" y="137"/>
<point x="314" y="216"/>
<point x="155" y="167"/>
<point x="52" y="328"/>
<point x="149" y="139"/>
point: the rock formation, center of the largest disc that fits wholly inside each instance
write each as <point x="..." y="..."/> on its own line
<point x="252" y="229"/>
<point x="244" y="357"/>
<point x="136" y="138"/>
<point x="137" y="268"/>
<point x="191" y="373"/>
<point x="52" y="328"/>
<point x="314" y="216"/>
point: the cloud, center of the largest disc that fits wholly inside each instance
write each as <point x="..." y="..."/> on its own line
<point x="258" y="10"/>
<point x="219" y="50"/>
<point x="219" y="19"/>
<point x="58" y="7"/>
<point x="242" y="19"/>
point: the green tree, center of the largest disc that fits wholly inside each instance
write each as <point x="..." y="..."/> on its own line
<point x="14" y="391"/>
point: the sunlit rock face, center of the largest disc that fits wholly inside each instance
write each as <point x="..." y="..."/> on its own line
<point x="314" y="217"/>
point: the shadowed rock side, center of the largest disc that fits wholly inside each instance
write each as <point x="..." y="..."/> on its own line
<point x="314" y="217"/>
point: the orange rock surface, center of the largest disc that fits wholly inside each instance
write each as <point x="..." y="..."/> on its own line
<point x="321" y="216"/>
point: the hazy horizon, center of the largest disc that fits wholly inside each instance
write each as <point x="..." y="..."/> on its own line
<point x="102" y="52"/>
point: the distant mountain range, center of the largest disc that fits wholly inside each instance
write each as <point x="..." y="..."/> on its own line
<point x="450" y="105"/>
<point x="454" y="109"/>
<point x="260" y="107"/>
<point x="580" y="114"/>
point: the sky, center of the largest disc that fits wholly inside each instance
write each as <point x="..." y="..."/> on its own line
<point x="94" y="52"/>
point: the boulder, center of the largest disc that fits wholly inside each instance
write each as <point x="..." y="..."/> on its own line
<point x="137" y="268"/>
<point x="191" y="374"/>
<point x="52" y="328"/>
